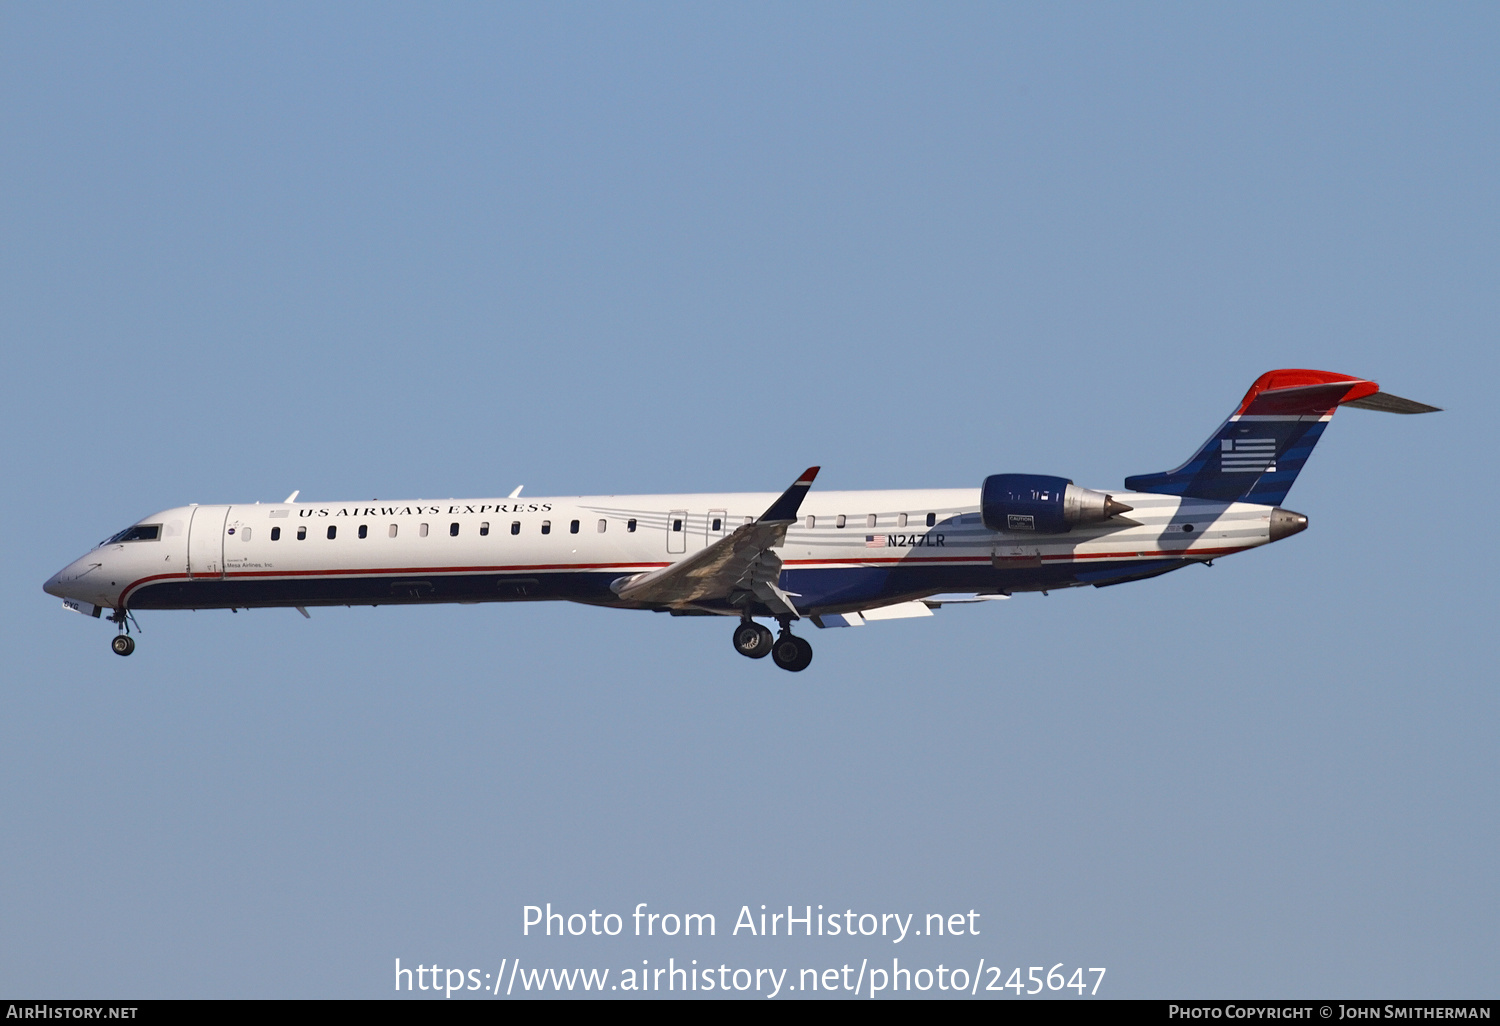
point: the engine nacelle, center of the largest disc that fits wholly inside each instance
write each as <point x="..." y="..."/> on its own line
<point x="1042" y="504"/>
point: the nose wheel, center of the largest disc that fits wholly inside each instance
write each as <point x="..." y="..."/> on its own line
<point x="122" y="644"/>
<point x="752" y="640"/>
<point x="791" y="652"/>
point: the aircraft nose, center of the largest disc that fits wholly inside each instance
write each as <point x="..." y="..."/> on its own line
<point x="59" y="583"/>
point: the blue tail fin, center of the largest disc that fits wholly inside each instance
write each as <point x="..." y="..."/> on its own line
<point x="1258" y="452"/>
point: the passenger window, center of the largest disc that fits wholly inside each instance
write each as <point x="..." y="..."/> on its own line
<point x="276" y="534"/>
<point x="484" y="529"/>
<point x="422" y="530"/>
<point x="573" y="527"/>
<point x="718" y="524"/>
<point x="870" y="520"/>
<point x="840" y="521"/>
<point x="392" y="532"/>
<point x="546" y="527"/>
<point x="602" y="525"/>
<point x="453" y="530"/>
<point x="332" y="532"/>
<point x="931" y="519"/>
<point x="812" y="521"/>
<point x="364" y="530"/>
<point x="630" y="525"/>
<point x="901" y="520"/>
<point x="677" y="525"/>
<point x="515" y="527"/>
<point x="245" y="534"/>
<point x="301" y="533"/>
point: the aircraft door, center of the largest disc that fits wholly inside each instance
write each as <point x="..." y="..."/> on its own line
<point x="716" y="526"/>
<point x="677" y="531"/>
<point x="1008" y="556"/>
<point x="206" y="542"/>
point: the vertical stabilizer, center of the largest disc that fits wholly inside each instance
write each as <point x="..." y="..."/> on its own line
<point x="1259" y="451"/>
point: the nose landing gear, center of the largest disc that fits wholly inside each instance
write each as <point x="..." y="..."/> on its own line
<point x="122" y="644"/>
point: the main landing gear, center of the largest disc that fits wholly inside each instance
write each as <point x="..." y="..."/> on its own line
<point x="791" y="652"/>
<point x="787" y="650"/>
<point x="753" y="640"/>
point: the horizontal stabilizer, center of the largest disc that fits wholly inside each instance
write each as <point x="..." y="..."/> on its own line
<point x="1387" y="403"/>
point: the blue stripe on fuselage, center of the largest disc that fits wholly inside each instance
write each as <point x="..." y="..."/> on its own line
<point x="832" y="589"/>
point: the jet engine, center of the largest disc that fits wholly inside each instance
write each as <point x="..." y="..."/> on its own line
<point x="1045" y="505"/>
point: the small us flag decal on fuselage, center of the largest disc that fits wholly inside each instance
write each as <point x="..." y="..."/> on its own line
<point x="1247" y="455"/>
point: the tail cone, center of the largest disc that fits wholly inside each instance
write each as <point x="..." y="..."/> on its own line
<point x="1285" y="523"/>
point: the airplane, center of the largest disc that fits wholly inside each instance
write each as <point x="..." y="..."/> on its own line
<point x="835" y="559"/>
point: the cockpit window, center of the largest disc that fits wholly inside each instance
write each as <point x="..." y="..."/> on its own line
<point x="140" y="532"/>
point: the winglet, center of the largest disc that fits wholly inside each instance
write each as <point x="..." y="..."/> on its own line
<point x="293" y="496"/>
<point x="784" y="509"/>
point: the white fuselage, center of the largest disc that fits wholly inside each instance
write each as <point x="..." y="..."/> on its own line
<point x="847" y="550"/>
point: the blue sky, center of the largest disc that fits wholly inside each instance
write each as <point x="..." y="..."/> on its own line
<point x="366" y="250"/>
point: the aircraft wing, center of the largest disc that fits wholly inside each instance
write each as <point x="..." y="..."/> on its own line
<point x="903" y="610"/>
<point x="740" y="562"/>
